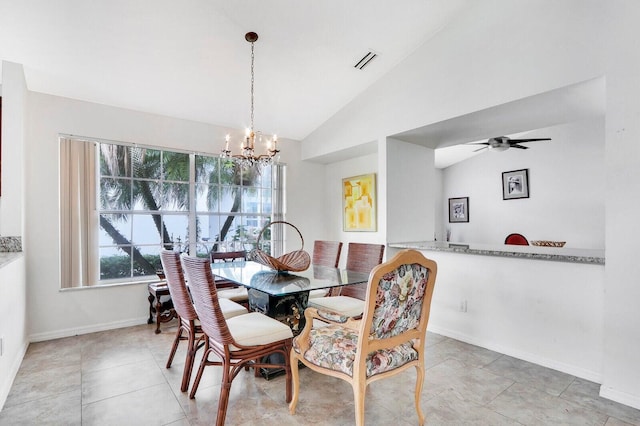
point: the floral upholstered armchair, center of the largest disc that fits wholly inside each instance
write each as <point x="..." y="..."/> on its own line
<point x="387" y="340"/>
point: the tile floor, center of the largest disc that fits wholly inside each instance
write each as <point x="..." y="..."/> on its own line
<point x="118" y="377"/>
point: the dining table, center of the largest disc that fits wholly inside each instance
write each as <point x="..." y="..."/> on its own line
<point x="284" y="295"/>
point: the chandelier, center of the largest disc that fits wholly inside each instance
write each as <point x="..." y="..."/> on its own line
<point x="247" y="157"/>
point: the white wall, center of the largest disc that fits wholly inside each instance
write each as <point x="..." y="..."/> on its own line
<point x="621" y="380"/>
<point x="499" y="51"/>
<point x="411" y="190"/>
<point x="566" y="188"/>
<point x="548" y="313"/>
<point x="14" y="103"/>
<point x="13" y="288"/>
<point x="13" y="327"/>
<point x="55" y="313"/>
<point x="332" y="201"/>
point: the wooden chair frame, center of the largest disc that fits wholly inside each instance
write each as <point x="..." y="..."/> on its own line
<point x="366" y="343"/>
<point x="219" y="342"/>
<point x="186" y="313"/>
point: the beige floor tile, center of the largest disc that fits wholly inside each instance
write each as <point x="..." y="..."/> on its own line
<point x="59" y="409"/>
<point x="586" y="393"/>
<point x="531" y="406"/>
<point x="551" y="381"/>
<point x="155" y="405"/>
<point x="106" y="383"/>
<point x="119" y="377"/>
<point x="32" y="386"/>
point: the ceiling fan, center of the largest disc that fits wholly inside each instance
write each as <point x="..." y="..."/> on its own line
<point x="502" y="143"/>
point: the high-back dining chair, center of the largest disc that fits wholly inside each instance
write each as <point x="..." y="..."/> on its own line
<point x="388" y="340"/>
<point x="325" y="253"/>
<point x="235" y="342"/>
<point x="186" y="312"/>
<point x="228" y="289"/>
<point x="349" y="300"/>
<point x="362" y="258"/>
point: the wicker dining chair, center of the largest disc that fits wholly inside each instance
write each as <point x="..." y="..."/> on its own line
<point x="349" y="300"/>
<point x="325" y="253"/>
<point x="186" y="312"/>
<point x="234" y="343"/>
<point x="389" y="339"/>
<point x="228" y="289"/>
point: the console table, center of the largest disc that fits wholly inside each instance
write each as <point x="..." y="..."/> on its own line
<point x="162" y="310"/>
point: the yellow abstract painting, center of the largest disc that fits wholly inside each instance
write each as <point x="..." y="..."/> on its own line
<point x="359" y="203"/>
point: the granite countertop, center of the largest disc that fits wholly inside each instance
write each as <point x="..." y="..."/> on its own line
<point x="10" y="250"/>
<point x="560" y="254"/>
<point x="8" y="257"/>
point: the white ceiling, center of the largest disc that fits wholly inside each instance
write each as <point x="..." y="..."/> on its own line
<point x="519" y="118"/>
<point x="188" y="59"/>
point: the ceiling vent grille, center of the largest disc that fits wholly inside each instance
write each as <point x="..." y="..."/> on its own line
<point x="366" y="59"/>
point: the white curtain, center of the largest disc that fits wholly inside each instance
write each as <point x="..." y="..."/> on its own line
<point x="277" y="208"/>
<point x="78" y="214"/>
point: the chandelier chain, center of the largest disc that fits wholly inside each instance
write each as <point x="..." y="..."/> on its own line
<point x="252" y="59"/>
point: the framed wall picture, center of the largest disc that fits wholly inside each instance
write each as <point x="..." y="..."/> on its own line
<point x="459" y="209"/>
<point x="359" y="203"/>
<point x="515" y="184"/>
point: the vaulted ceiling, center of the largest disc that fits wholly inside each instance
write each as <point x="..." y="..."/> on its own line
<point x="189" y="59"/>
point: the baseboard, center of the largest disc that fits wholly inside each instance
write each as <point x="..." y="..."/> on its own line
<point x="75" y="331"/>
<point x="573" y="370"/>
<point x="6" y="386"/>
<point x="621" y="397"/>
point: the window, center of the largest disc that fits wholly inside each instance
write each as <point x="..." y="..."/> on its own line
<point x="148" y="198"/>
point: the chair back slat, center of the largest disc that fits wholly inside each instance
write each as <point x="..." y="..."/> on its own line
<point x="326" y="253"/>
<point x="205" y="299"/>
<point x="177" y="286"/>
<point x="362" y="257"/>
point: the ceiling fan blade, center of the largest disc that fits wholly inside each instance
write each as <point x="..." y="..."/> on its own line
<point x="515" y="145"/>
<point x="479" y="143"/>
<point x="480" y="149"/>
<point x="529" y="140"/>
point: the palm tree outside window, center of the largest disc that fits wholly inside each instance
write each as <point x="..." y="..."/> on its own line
<point x="150" y="198"/>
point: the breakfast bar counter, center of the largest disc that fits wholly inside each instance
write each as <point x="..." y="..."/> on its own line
<point x="560" y="254"/>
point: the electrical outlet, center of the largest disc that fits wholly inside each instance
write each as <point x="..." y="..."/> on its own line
<point x="463" y="306"/>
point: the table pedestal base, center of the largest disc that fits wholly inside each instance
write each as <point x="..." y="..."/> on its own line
<point x="287" y="309"/>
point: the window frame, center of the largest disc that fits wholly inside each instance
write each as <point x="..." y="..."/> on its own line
<point x="190" y="210"/>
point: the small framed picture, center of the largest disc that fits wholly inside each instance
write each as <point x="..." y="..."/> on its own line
<point x="515" y="184"/>
<point x="459" y="209"/>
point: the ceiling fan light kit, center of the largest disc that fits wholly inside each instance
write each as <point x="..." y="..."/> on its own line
<point x="503" y="143"/>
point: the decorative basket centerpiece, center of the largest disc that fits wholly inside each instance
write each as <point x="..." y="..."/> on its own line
<point x="546" y="243"/>
<point x="295" y="261"/>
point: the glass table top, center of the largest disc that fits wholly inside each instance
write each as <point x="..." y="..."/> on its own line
<point x="255" y="275"/>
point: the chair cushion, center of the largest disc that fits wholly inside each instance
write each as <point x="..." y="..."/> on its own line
<point x="344" y="305"/>
<point x="334" y="347"/>
<point x="231" y="309"/>
<point x="321" y="292"/>
<point x="255" y="328"/>
<point x="238" y="294"/>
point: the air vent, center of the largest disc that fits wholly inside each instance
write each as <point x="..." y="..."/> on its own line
<point x="365" y="60"/>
